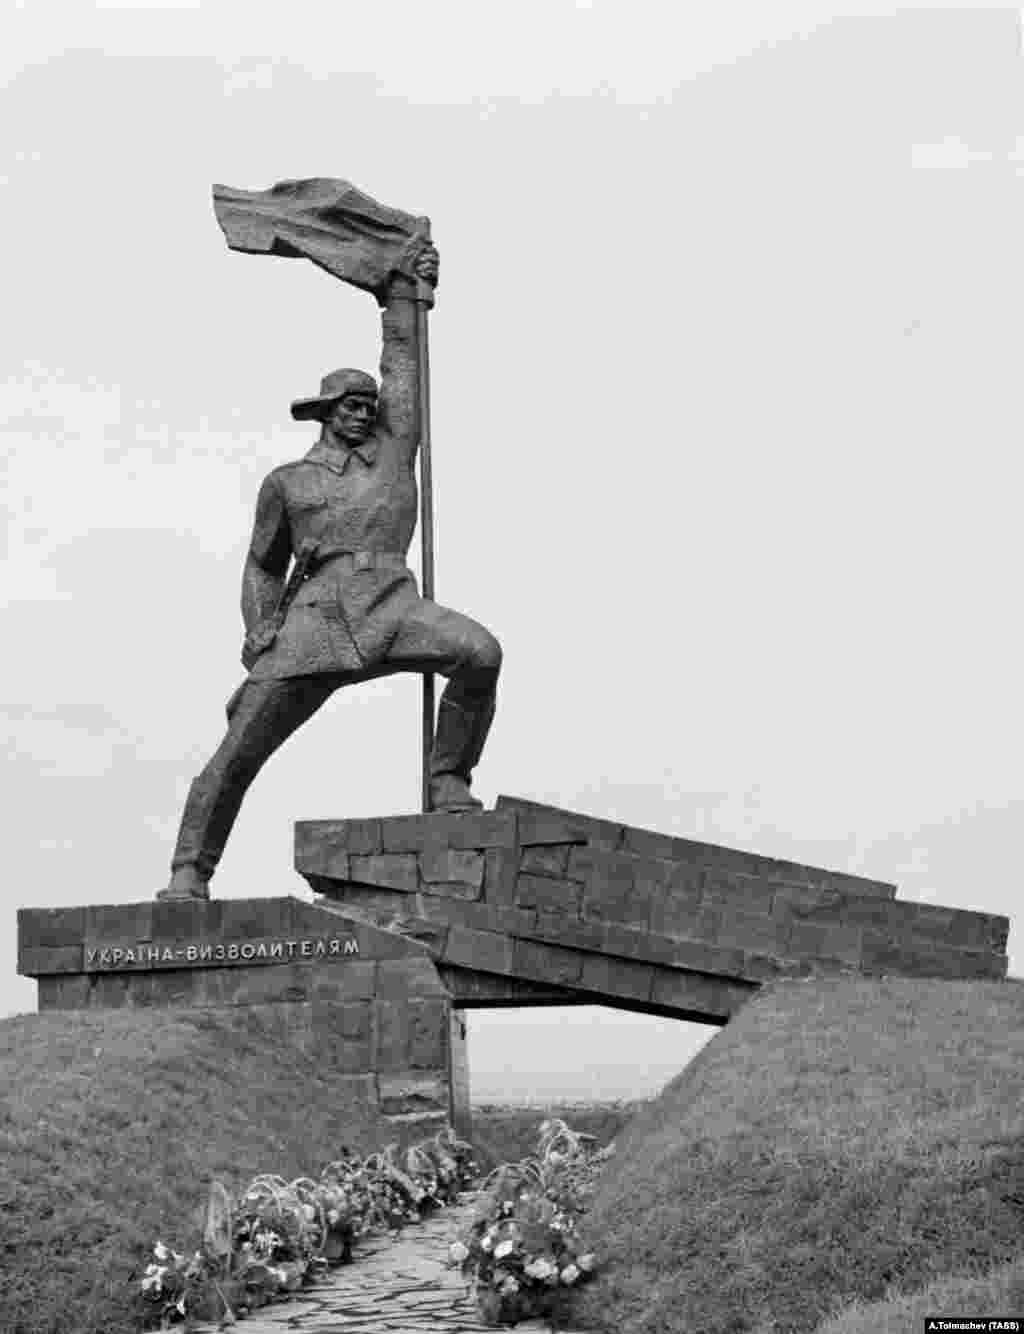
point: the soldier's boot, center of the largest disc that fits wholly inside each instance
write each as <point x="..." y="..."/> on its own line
<point x="187" y="882"/>
<point x="463" y="721"/>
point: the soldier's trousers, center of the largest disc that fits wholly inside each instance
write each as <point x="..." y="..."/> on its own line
<point x="431" y="639"/>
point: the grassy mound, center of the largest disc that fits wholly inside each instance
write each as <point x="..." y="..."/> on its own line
<point x="838" y="1141"/>
<point x="111" y="1127"/>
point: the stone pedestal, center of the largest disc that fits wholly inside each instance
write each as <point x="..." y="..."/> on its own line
<point x="368" y="1002"/>
<point x="527" y="904"/>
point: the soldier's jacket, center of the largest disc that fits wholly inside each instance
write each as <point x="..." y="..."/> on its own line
<point x="362" y="501"/>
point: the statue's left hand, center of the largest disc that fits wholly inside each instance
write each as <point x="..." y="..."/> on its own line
<point x="427" y="264"/>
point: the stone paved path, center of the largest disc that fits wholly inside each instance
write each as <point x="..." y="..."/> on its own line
<point x="391" y="1287"/>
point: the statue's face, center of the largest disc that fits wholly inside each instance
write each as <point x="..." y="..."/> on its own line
<point x="352" y="417"/>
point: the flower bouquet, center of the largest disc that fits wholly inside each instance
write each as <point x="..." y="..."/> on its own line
<point x="346" y="1197"/>
<point x="522" y="1250"/>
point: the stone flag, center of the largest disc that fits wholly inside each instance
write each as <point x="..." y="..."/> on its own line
<point x="330" y="222"/>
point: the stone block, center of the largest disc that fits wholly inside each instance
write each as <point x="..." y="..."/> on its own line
<point x="352" y="980"/>
<point x="581" y="863"/>
<point x="599" y="833"/>
<point x="352" y="1020"/>
<point x="736" y="890"/>
<point x="821" y="940"/>
<point x="319" y="842"/>
<point x="881" y="954"/>
<point x="68" y="992"/>
<point x="474" y="830"/>
<point x="547" y="963"/>
<point x="389" y="870"/>
<point x="323" y="846"/>
<point x="455" y="871"/>
<point x="50" y="928"/>
<point x="402" y="979"/>
<point x="273" y="983"/>
<point x="36" y="962"/>
<point x="649" y="843"/>
<point x="704" y="996"/>
<point x="501" y="867"/>
<point x="551" y="861"/>
<point x="486" y="951"/>
<point x="257" y="919"/>
<point x="467" y="986"/>
<point x="542" y="827"/>
<point x="479" y="916"/>
<point x="760" y="932"/>
<point x="681" y="915"/>
<point x="624" y="978"/>
<point x="790" y="899"/>
<point x="609" y="902"/>
<point x="703" y="956"/>
<point x="428" y="1037"/>
<point x="120" y="922"/>
<point x="390" y="1035"/>
<point x="173" y="921"/>
<point x="558" y="898"/>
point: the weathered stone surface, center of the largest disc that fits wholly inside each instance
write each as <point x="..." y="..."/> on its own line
<point x="389" y="870"/>
<point x="455" y="871"/>
<point x="486" y="951"/>
<point x="842" y="941"/>
<point x="881" y="954"/>
<point x="390" y="1035"/>
<point x="552" y="861"/>
<point x="698" y="995"/>
<point x="399" y="979"/>
<point x="414" y="833"/>
<point x="560" y="898"/>
<point x="737" y="890"/>
<point x="36" y="962"/>
<point x="428" y="1034"/>
<point x="618" y="978"/>
<point x="471" y="988"/>
<point x="752" y="931"/>
<point x="547" y="963"/>
<point x="316" y="841"/>
<point x="501" y="868"/>
<point x="50" y="928"/>
<point x="71" y="992"/>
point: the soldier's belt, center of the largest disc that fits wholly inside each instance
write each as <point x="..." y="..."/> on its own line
<point x="349" y="562"/>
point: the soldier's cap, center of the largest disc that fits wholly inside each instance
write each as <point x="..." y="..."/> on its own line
<point x="334" y="386"/>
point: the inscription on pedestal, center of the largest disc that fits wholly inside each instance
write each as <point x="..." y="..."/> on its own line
<point x="142" y="955"/>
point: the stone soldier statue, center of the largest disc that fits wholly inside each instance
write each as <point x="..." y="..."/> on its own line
<point x="352" y="611"/>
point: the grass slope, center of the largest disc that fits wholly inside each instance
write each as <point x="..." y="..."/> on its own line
<point x="111" y="1127"/>
<point x="838" y="1140"/>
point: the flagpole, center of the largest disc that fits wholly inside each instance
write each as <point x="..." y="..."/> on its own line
<point x="424" y="301"/>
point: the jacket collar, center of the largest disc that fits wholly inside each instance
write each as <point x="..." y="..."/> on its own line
<point x="339" y="459"/>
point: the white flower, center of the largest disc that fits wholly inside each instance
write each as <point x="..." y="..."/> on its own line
<point x="509" y="1288"/>
<point x="161" y="1252"/>
<point x="570" y="1274"/>
<point x="540" y="1268"/>
<point x="504" y="1248"/>
<point x="487" y="1242"/>
<point x="332" y="1216"/>
<point x="458" y="1252"/>
<point x="587" y="1262"/>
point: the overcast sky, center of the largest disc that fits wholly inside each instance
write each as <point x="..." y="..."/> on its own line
<point x="727" y="421"/>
